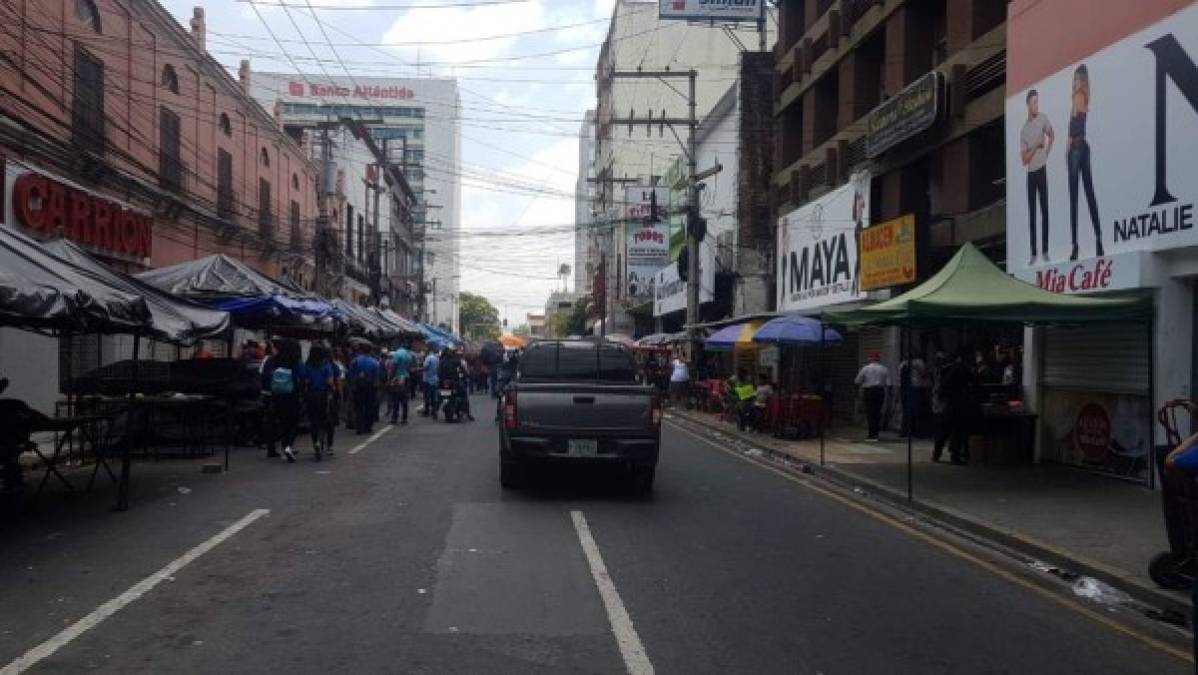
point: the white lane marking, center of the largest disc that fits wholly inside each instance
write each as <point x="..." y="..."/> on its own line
<point x="635" y="658"/>
<point x="47" y="648"/>
<point x="361" y="446"/>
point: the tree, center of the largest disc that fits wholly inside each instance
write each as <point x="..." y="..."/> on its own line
<point x="573" y="322"/>
<point x="480" y="319"/>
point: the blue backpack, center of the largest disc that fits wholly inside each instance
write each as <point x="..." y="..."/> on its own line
<point x="282" y="381"/>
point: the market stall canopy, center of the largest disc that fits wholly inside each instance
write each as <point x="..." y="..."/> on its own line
<point x="797" y="331"/>
<point x="661" y="339"/>
<point x="40" y="290"/>
<point x="734" y="336"/>
<point x="406" y="327"/>
<point x="971" y="288"/>
<point x="363" y="322"/>
<point x="254" y="300"/>
<point x="172" y="318"/>
<point x="432" y="333"/>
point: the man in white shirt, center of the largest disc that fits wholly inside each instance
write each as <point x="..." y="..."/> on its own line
<point x="680" y="378"/>
<point x="873" y="380"/>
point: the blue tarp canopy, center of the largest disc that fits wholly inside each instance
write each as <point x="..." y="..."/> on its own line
<point x="254" y="300"/>
<point x="796" y="331"/>
<point x="432" y="333"/>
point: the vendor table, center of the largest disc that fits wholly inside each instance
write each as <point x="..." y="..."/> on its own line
<point x="1014" y="427"/>
<point x="88" y="428"/>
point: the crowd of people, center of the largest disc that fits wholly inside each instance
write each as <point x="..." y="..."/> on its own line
<point x="360" y="385"/>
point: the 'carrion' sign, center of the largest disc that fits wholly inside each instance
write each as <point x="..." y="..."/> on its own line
<point x="49" y="207"/>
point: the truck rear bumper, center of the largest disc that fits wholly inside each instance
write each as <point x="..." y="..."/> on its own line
<point x="640" y="451"/>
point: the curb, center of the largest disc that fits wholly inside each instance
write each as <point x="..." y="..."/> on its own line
<point x="962" y="524"/>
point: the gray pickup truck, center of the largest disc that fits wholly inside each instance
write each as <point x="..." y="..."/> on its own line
<point x="579" y="401"/>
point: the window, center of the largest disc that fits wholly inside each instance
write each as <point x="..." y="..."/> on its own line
<point x="170" y="79"/>
<point x="297" y="235"/>
<point x="266" y="218"/>
<point x="226" y="127"/>
<point x="87" y="106"/>
<point x="170" y="167"/>
<point x="265" y="158"/>
<point x="295" y="181"/>
<point x="361" y="237"/>
<point x="349" y="231"/>
<point x="224" y="184"/>
<point x="88" y="15"/>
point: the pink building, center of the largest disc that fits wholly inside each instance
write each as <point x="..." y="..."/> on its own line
<point x="119" y="130"/>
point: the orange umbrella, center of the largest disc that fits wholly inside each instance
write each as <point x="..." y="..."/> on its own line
<point x="513" y="341"/>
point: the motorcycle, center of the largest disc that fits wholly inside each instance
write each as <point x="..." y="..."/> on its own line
<point x="452" y="405"/>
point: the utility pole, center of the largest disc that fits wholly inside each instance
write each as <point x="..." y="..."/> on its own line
<point x="690" y="148"/>
<point x="323" y="234"/>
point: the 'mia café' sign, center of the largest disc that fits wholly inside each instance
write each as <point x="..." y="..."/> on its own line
<point x="49" y="207"/>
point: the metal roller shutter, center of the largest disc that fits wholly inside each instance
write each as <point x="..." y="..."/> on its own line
<point x="1112" y="358"/>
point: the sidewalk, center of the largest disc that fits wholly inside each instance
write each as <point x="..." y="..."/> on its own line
<point x="1091" y="524"/>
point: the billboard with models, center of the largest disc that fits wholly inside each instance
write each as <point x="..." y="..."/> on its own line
<point x="1101" y="138"/>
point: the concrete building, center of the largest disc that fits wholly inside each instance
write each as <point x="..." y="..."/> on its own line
<point x="638" y="155"/>
<point x="536" y="325"/>
<point x="558" y="304"/>
<point x="418" y="120"/>
<point x="585" y="245"/>
<point x="120" y="106"/>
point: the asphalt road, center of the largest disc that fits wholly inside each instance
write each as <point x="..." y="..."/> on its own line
<point x="408" y="557"/>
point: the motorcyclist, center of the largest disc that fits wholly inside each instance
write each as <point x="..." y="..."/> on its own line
<point x="452" y="370"/>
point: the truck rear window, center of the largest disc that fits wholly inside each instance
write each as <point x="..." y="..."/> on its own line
<point x="576" y="362"/>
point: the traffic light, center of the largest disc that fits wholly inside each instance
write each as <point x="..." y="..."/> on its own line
<point x="683" y="263"/>
<point x="696" y="225"/>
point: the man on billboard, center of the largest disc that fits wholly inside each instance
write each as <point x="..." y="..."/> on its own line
<point x="1035" y="143"/>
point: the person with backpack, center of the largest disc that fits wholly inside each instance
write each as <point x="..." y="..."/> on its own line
<point x="365" y="374"/>
<point x="320" y="384"/>
<point x="281" y="378"/>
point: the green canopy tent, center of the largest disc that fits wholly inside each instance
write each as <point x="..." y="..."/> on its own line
<point x="971" y="288"/>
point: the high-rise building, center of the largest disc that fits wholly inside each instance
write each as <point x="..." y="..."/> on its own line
<point x="418" y="121"/>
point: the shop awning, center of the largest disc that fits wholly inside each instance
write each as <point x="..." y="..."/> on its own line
<point x="39" y="290"/>
<point x="172" y="318"/>
<point x="971" y="288"/>
<point x="797" y="331"/>
<point x="733" y="337"/>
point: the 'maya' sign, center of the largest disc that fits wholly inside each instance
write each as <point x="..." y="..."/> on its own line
<point x="48" y="207"/>
<point x="818" y="248"/>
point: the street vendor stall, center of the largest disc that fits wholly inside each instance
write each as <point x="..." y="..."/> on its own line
<point x="970" y="288"/>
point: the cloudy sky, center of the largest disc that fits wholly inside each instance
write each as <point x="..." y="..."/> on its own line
<point x="520" y="115"/>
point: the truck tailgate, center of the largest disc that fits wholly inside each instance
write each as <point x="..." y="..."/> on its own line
<point x="582" y="408"/>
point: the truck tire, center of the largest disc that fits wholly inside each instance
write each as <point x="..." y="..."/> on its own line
<point x="640" y="481"/>
<point x="512" y="475"/>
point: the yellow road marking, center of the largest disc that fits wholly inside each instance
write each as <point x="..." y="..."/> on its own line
<point x="952" y="550"/>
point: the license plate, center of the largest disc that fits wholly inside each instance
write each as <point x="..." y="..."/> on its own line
<point x="588" y="447"/>
<point x="446" y="393"/>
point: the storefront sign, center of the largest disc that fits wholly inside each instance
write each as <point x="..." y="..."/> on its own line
<point x="888" y="254"/>
<point x="818" y="261"/>
<point x="913" y="110"/>
<point x="318" y="90"/>
<point x="1091" y="175"/>
<point x="669" y="290"/>
<point x="711" y="10"/>
<point x="1092" y="275"/>
<point x="646" y="241"/>
<point x="49" y="207"/>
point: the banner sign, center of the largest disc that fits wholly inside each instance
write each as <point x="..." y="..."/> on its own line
<point x="711" y="10"/>
<point x="669" y="290"/>
<point x="48" y="207"/>
<point x="646" y="243"/>
<point x="1101" y="432"/>
<point x="888" y="254"/>
<point x="914" y="110"/>
<point x="1102" y="146"/>
<point x="818" y="260"/>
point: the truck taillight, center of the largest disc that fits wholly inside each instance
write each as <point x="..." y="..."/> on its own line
<point x="655" y="412"/>
<point x="509" y="411"/>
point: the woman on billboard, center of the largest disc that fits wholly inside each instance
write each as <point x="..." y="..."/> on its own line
<point x="1077" y="157"/>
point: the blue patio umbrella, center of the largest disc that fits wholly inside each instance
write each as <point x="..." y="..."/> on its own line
<point x="796" y="330"/>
